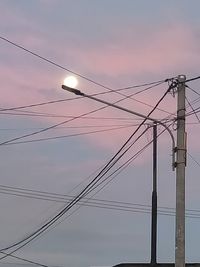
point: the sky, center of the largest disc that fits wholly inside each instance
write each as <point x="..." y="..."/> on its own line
<point x="109" y="45"/>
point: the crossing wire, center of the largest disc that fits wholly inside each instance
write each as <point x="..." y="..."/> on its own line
<point x="70" y="135"/>
<point x="97" y="178"/>
<point x="2" y="110"/>
<point x="62" y="123"/>
<point x="150" y="84"/>
<point x="69" y="70"/>
<point x="192" y="109"/>
<point x="26" y="260"/>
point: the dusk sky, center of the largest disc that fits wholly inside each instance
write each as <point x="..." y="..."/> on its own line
<point x="109" y="45"/>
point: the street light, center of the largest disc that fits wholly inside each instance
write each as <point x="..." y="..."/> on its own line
<point x="154" y="191"/>
<point x="78" y="92"/>
<point x="180" y="151"/>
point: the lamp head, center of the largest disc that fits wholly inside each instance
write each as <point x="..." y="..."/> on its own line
<point x="72" y="90"/>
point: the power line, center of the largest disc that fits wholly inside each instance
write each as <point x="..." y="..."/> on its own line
<point x="61" y="213"/>
<point x="194" y="159"/>
<point x="50" y="127"/>
<point x="69" y="70"/>
<point x="53" y="63"/>
<point x="39" y="104"/>
<point x="192" y="109"/>
<point x="152" y="84"/>
<point x="97" y="178"/>
<point x="193" y="90"/>
<point x="84" y="77"/>
<point x="195" y="101"/>
<point x="75" y="98"/>
<point x="192" y="123"/>
<point x="50" y="225"/>
<point x="189" y="113"/>
<point x="26" y="260"/>
<point x="132" y="144"/>
<point x="89" y="202"/>
<point x="47" y="115"/>
<point x="69" y="135"/>
<point x="39" y="233"/>
<point x="61" y="123"/>
<point x="117" y="172"/>
<point x="50" y="196"/>
<point x="197" y="110"/>
<point x="72" y="127"/>
<point x="85" y="117"/>
<point x="192" y="79"/>
<point x="130" y="160"/>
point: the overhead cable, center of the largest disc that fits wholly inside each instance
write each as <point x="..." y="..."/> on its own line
<point x="192" y="109"/>
<point x="43" y="228"/>
<point x="97" y="94"/>
<point x="62" y="123"/>
<point x="69" y="135"/>
<point x="26" y="260"/>
<point x="52" y="62"/>
<point x="64" y="68"/>
<point x="193" y="90"/>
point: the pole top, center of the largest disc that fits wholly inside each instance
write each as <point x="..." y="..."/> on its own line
<point x="181" y="78"/>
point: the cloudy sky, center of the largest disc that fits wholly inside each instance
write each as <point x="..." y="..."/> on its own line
<point x="109" y="44"/>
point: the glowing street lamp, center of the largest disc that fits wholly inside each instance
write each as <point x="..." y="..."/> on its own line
<point x="71" y="81"/>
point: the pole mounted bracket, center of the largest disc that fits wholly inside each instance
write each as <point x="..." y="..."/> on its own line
<point x="173" y="86"/>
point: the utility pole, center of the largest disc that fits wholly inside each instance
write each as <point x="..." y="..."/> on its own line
<point x="180" y="174"/>
<point x="154" y="201"/>
<point x="154" y="193"/>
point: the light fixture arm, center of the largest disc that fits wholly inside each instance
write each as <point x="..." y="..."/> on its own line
<point x="78" y="92"/>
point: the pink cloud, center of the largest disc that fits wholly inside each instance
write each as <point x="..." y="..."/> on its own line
<point x="166" y="51"/>
<point x="27" y="93"/>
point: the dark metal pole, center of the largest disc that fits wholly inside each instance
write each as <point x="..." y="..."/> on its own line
<point x="154" y="201"/>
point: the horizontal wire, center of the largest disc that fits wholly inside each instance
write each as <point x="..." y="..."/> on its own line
<point x="90" y="189"/>
<point x="50" y="127"/>
<point x="114" y="205"/>
<point x="70" y="127"/>
<point x="57" y="101"/>
<point x="117" y="172"/>
<point x="80" y="97"/>
<point x="152" y="84"/>
<point x="58" y="222"/>
<point x="69" y="135"/>
<point x="97" y="178"/>
<point x="67" y="121"/>
<point x="86" y="117"/>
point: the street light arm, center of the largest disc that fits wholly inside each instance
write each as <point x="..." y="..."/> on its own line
<point x="78" y="92"/>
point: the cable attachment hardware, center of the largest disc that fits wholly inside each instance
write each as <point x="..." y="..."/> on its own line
<point x="173" y="86"/>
